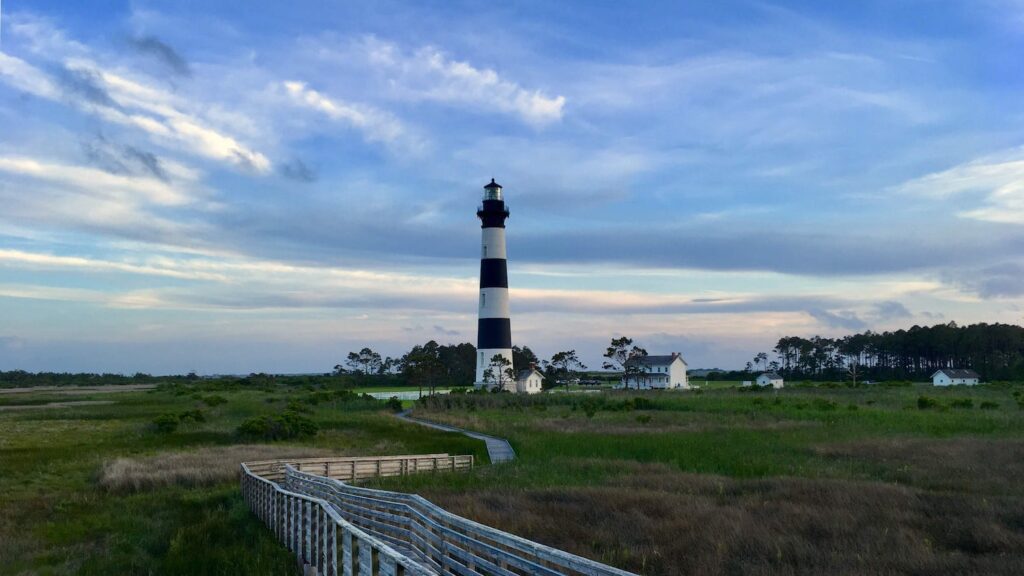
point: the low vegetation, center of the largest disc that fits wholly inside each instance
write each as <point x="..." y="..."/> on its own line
<point x="810" y="479"/>
<point x="97" y="489"/>
<point x="906" y="479"/>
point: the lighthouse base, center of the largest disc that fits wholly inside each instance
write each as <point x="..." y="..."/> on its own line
<point x="483" y="362"/>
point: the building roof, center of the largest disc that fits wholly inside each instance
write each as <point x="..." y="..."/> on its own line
<point x="771" y="376"/>
<point x="659" y="360"/>
<point x="957" y="373"/>
<point x="493" y="184"/>
<point x="524" y="374"/>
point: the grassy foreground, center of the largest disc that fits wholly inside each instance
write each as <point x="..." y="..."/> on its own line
<point x="76" y="498"/>
<point x="808" y="480"/>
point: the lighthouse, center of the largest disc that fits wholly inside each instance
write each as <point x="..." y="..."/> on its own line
<point x="494" y="330"/>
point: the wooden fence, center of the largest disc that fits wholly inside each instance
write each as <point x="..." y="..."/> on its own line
<point x="362" y="468"/>
<point x="391" y="533"/>
<point x="316" y="532"/>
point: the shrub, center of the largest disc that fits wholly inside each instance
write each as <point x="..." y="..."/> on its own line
<point x="988" y="405"/>
<point x="643" y="418"/>
<point x="166" y="423"/>
<point x="823" y="404"/>
<point x="852" y="407"/>
<point x="191" y="416"/>
<point x="961" y="403"/>
<point x="296" y="406"/>
<point x="926" y="402"/>
<point x="394" y="404"/>
<point x="214" y="400"/>
<point x="282" y="427"/>
<point x="641" y="403"/>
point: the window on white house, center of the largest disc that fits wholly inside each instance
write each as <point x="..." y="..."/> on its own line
<point x="483" y="299"/>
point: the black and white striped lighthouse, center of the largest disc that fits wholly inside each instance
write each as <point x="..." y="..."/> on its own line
<point x="494" y="329"/>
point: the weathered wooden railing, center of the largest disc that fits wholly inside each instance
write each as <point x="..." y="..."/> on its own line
<point x="315" y="531"/>
<point x="381" y="532"/>
<point x="353" y="469"/>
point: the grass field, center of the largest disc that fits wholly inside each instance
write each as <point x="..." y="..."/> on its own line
<point x="871" y="480"/>
<point x="68" y="505"/>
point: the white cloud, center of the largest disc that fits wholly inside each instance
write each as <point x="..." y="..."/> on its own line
<point x="429" y="74"/>
<point x="168" y="119"/>
<point x="375" y="124"/>
<point x="998" y="179"/>
<point x="25" y="77"/>
<point x="97" y="182"/>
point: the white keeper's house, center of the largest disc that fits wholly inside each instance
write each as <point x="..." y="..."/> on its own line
<point x="530" y="381"/>
<point x="662" y="372"/>
<point x="952" y="376"/>
<point x="770" y="379"/>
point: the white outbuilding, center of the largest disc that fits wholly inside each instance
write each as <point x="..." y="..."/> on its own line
<point x="770" y="379"/>
<point x="952" y="376"/>
<point x="530" y="381"/>
<point x="662" y="372"/>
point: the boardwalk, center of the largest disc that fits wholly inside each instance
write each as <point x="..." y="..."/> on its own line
<point x="498" y="449"/>
<point x="336" y="528"/>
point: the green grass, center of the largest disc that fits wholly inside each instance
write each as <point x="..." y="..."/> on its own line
<point x="54" y="519"/>
<point x="726" y="431"/>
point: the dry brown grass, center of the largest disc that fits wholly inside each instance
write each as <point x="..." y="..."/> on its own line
<point x="973" y="465"/>
<point x="200" y="467"/>
<point x="657" y="520"/>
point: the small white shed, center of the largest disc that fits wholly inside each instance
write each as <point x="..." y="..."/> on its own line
<point x="953" y="376"/>
<point x="770" y="379"/>
<point x="530" y="381"/>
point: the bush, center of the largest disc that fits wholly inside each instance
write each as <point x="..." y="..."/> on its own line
<point x="283" y="427"/>
<point x="823" y="404"/>
<point x="961" y="403"/>
<point x="926" y="402"/>
<point x="643" y="418"/>
<point x="641" y="403"/>
<point x="191" y="416"/>
<point x="166" y="423"/>
<point x="394" y="404"/>
<point x="214" y="400"/>
<point x="987" y="405"/>
<point x="296" y="406"/>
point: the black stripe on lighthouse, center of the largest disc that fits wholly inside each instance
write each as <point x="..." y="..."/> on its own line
<point x="493" y="333"/>
<point x="493" y="273"/>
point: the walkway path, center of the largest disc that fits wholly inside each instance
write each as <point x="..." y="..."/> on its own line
<point x="498" y="449"/>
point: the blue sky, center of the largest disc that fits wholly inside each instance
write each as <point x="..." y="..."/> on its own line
<point x="194" y="186"/>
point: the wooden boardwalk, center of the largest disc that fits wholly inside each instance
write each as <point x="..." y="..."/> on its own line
<point x="336" y="528"/>
<point x="498" y="449"/>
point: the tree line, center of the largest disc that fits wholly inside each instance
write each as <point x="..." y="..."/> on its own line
<point x="432" y="365"/>
<point x="995" y="351"/>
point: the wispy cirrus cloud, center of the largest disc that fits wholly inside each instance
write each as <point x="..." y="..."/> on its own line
<point x="116" y="97"/>
<point x="997" y="180"/>
<point x="430" y="74"/>
<point x="375" y="124"/>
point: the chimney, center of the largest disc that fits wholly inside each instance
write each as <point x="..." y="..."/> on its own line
<point x="533" y="365"/>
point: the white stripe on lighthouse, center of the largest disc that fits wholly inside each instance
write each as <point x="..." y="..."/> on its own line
<point x="493" y="245"/>
<point x="494" y="303"/>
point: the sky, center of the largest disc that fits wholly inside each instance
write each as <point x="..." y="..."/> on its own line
<point x="203" y="186"/>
